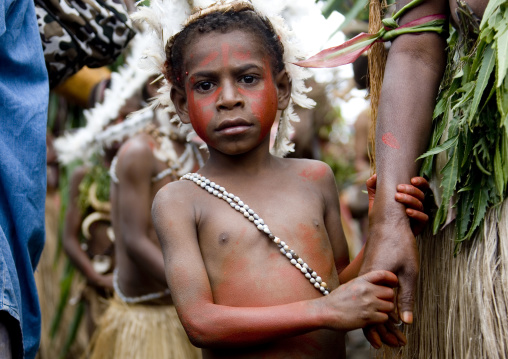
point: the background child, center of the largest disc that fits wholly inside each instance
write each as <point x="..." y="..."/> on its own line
<point x="234" y="292"/>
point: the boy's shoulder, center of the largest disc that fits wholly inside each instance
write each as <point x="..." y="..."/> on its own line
<point x="309" y="170"/>
<point x="177" y="192"/>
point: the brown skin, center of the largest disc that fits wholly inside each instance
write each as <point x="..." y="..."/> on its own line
<point x="234" y="292"/>
<point x="413" y="72"/>
<point x="138" y="254"/>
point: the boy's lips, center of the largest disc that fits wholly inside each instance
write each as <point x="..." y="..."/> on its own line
<point x="234" y="126"/>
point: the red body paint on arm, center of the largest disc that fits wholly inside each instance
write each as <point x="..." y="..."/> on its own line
<point x="390" y="140"/>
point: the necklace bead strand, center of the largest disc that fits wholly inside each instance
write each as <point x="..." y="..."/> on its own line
<point x="237" y="204"/>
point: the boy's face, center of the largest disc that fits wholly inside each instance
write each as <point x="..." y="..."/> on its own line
<point x="231" y="96"/>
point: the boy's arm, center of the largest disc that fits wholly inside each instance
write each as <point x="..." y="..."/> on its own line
<point x="414" y="69"/>
<point x="72" y="229"/>
<point x="210" y="325"/>
<point x="333" y="222"/>
<point x="134" y="171"/>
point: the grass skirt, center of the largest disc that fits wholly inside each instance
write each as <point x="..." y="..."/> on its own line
<point x="137" y="331"/>
<point x="461" y="308"/>
<point x="47" y="278"/>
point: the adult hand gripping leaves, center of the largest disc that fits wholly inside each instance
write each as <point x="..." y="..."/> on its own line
<point x="412" y="196"/>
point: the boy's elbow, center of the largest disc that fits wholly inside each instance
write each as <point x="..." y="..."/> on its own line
<point x="198" y="332"/>
<point x="202" y="331"/>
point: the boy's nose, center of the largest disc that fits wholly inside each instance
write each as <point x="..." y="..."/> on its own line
<point x="229" y="97"/>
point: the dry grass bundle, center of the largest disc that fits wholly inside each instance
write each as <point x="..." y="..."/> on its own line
<point x="462" y="302"/>
<point x="377" y="61"/>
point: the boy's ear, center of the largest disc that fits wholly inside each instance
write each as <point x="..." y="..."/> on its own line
<point x="180" y="101"/>
<point x="283" y="89"/>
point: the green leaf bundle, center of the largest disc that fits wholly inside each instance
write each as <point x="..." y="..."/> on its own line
<point x="471" y="123"/>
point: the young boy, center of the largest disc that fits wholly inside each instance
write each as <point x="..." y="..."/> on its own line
<point x="234" y="292"/>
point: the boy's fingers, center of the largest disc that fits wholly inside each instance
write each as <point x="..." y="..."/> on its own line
<point x="371" y="182"/>
<point x="411" y="190"/>
<point x="386" y="294"/>
<point x="417" y="215"/>
<point x="386" y="307"/>
<point x="409" y="201"/>
<point x="381" y="277"/>
<point x="420" y="182"/>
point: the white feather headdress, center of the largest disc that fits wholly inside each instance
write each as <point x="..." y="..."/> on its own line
<point x="167" y="17"/>
<point x="84" y="142"/>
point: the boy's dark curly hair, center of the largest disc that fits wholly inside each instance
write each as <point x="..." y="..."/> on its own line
<point x="224" y="22"/>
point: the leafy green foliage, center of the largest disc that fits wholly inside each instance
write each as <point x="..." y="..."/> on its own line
<point x="471" y="124"/>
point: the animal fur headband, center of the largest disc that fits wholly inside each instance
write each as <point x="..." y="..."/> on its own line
<point x="166" y="18"/>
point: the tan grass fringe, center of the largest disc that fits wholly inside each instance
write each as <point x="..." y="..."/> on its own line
<point x="136" y="331"/>
<point x="47" y="279"/>
<point x="461" y="308"/>
<point x="377" y="62"/>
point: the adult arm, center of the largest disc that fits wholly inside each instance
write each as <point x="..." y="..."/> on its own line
<point x="211" y="325"/>
<point x="71" y="235"/>
<point x="412" y="197"/>
<point x="134" y="171"/>
<point x="414" y="69"/>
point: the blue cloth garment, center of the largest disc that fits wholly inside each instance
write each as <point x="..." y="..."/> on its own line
<point x="24" y="92"/>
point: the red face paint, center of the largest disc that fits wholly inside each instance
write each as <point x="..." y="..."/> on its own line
<point x="225" y="54"/>
<point x="263" y="101"/>
<point x="390" y="140"/>
<point x="212" y="56"/>
<point x="242" y="55"/>
<point x="201" y="111"/>
<point x="225" y="70"/>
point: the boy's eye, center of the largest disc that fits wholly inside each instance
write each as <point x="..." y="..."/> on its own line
<point x="204" y="86"/>
<point x="248" y="79"/>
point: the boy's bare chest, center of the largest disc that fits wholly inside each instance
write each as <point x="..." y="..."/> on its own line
<point x="245" y="266"/>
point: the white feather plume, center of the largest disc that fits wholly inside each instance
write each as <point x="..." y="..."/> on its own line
<point x="84" y="142"/>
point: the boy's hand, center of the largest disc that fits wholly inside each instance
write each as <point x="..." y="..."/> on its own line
<point x="412" y="196"/>
<point x="365" y="300"/>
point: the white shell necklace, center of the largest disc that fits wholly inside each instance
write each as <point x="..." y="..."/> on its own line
<point x="236" y="203"/>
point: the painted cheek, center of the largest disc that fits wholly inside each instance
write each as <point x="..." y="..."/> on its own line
<point x="201" y="112"/>
<point x="263" y="102"/>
